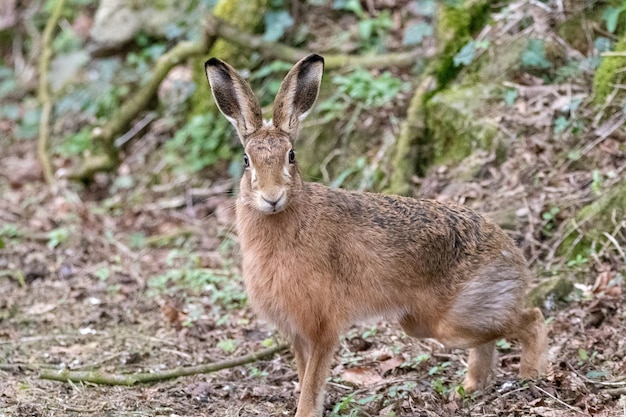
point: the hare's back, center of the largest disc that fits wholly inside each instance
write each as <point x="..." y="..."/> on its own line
<point x="445" y="233"/>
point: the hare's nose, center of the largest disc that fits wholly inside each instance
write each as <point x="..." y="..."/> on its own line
<point x="273" y="203"/>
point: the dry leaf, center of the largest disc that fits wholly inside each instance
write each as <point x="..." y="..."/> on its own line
<point x="40" y="308"/>
<point x="361" y="377"/>
<point x="391" y="363"/>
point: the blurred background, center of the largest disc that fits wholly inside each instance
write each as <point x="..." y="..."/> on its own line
<point x="117" y="176"/>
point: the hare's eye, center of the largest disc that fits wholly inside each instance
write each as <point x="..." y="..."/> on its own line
<point x="246" y="160"/>
<point x="292" y="156"/>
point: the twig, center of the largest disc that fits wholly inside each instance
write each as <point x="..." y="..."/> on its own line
<point x="617" y="383"/>
<point x="616" y="392"/>
<point x="616" y="244"/>
<point x="95" y="377"/>
<point x="44" y="92"/>
<point x="561" y="401"/>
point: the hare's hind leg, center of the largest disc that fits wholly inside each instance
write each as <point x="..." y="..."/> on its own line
<point x="533" y="335"/>
<point x="480" y="366"/>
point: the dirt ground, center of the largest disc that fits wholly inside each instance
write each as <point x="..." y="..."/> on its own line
<point x="124" y="284"/>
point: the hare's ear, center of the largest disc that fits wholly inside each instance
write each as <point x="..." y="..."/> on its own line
<point x="298" y="93"/>
<point x="234" y="98"/>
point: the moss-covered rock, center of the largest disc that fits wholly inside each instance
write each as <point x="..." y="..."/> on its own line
<point x="550" y="292"/>
<point x="244" y="14"/>
<point x="593" y="220"/>
<point x="457" y="124"/>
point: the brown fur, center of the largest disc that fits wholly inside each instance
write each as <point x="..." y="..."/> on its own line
<point x="316" y="259"/>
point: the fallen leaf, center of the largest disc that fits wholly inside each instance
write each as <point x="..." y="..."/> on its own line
<point x="361" y="376"/>
<point x="40" y="308"/>
<point x="391" y="363"/>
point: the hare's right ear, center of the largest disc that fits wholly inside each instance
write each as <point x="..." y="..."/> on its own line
<point x="234" y="98"/>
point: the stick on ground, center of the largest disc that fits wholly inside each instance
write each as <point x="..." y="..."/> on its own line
<point x="103" y="378"/>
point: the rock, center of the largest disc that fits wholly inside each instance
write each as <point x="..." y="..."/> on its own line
<point x="458" y="122"/>
<point x="117" y="22"/>
<point x="547" y="294"/>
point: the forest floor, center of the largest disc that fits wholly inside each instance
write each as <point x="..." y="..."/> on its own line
<point x="146" y="278"/>
<point x="139" y="272"/>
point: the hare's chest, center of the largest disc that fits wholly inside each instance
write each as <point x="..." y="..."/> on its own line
<point x="281" y="291"/>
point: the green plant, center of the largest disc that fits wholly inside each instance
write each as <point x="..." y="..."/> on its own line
<point x="223" y="290"/>
<point x="534" y="56"/>
<point x="372" y="31"/>
<point x="414" y="34"/>
<point x="200" y="143"/>
<point x="75" y="144"/>
<point x="400" y="392"/>
<point x="415" y="361"/>
<point x="351" y="404"/>
<point x="503" y="344"/>
<point x="256" y="372"/>
<point x="579" y="260"/>
<point x="277" y="21"/>
<point x="57" y="237"/>
<point x="549" y="220"/>
<point x="10" y="231"/>
<point x="611" y="16"/>
<point x="467" y="54"/>
<point x="227" y="345"/>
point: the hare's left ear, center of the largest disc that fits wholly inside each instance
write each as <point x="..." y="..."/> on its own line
<point x="297" y="94"/>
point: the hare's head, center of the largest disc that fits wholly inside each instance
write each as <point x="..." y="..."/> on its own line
<point x="271" y="171"/>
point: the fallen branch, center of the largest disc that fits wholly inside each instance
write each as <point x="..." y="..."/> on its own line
<point x="107" y="134"/>
<point x="44" y="92"/>
<point x="222" y="29"/>
<point x="96" y="377"/>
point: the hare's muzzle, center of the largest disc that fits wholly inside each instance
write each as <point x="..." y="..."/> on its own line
<point x="271" y="204"/>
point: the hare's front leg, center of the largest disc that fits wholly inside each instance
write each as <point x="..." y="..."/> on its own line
<point x="301" y="351"/>
<point x="312" y="383"/>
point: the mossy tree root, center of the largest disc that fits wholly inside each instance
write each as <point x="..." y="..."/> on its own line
<point x="44" y="93"/>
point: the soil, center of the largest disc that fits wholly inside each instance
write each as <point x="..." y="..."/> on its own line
<point x="139" y="272"/>
<point x="91" y="299"/>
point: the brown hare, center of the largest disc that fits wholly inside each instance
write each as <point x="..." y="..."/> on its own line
<point x="318" y="259"/>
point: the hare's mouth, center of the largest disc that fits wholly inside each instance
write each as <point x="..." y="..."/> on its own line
<point x="271" y="205"/>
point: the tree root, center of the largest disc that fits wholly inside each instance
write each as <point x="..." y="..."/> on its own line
<point x="223" y="29"/>
<point x="405" y="153"/>
<point x="96" y="377"/>
<point x="43" y="92"/>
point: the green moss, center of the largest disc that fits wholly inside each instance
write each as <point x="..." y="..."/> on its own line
<point x="455" y="125"/>
<point x="455" y="26"/>
<point x="609" y="73"/>
<point x="593" y="220"/>
<point x="550" y="291"/>
<point x="244" y="14"/>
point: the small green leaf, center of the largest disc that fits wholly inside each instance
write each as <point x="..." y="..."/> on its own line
<point x="510" y="95"/>
<point x="596" y="374"/>
<point x="276" y="23"/>
<point x="414" y="34"/>
<point x="582" y="354"/>
<point x="465" y="55"/>
<point x="611" y="16"/>
<point x="534" y="56"/>
<point x="561" y="124"/>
